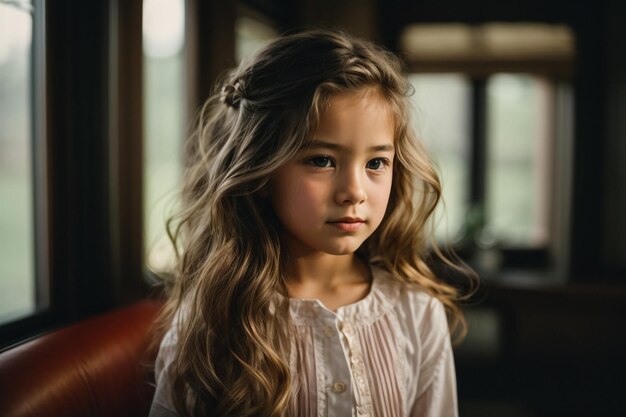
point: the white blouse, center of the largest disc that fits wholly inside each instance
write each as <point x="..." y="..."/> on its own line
<point x="386" y="355"/>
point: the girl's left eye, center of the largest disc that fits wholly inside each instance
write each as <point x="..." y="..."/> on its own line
<point x="321" y="162"/>
<point x="376" y="164"/>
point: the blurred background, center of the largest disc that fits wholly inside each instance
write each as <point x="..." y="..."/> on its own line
<point x="521" y="104"/>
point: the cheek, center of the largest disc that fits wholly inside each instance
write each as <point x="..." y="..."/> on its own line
<point x="295" y="199"/>
<point x="379" y="198"/>
<point x="306" y="197"/>
<point x="383" y="190"/>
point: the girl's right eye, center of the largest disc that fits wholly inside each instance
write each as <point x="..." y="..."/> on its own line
<point x="321" y="162"/>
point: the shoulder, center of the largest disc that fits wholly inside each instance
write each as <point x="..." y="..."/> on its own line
<point x="412" y="302"/>
<point x="167" y="350"/>
<point x="168" y="347"/>
<point x="162" y="403"/>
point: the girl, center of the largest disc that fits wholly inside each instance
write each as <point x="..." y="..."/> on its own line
<point x="301" y="287"/>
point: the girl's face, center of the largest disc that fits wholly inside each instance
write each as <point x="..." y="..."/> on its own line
<point x="334" y="193"/>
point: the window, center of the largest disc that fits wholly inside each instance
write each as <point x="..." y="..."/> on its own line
<point x="70" y="158"/>
<point x="163" y="47"/>
<point x="18" y="284"/>
<point x="487" y="104"/>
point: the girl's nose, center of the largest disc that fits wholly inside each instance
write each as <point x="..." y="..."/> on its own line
<point x="350" y="189"/>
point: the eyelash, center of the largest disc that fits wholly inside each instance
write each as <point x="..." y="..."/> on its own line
<point x="312" y="161"/>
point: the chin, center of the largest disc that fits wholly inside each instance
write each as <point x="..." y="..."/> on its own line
<point x="343" y="249"/>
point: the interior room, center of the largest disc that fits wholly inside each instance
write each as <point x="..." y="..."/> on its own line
<point x="521" y="105"/>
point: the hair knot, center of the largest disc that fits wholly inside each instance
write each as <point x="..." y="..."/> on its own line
<point x="231" y="94"/>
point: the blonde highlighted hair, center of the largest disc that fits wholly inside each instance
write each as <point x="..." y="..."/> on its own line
<point x="233" y="337"/>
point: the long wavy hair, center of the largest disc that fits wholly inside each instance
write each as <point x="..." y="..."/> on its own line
<point x="233" y="333"/>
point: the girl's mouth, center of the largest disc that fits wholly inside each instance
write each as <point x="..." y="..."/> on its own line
<point x="348" y="224"/>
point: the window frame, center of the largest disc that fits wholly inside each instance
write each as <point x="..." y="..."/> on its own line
<point x="86" y="153"/>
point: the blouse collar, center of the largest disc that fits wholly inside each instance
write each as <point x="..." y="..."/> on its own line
<point x="381" y="297"/>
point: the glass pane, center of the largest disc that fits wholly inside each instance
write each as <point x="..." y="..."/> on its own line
<point x="518" y="130"/>
<point x="163" y="38"/>
<point x="251" y="35"/>
<point x="441" y="118"/>
<point x="17" y="279"/>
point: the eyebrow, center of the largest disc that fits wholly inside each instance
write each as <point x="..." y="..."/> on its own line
<point x="316" y="144"/>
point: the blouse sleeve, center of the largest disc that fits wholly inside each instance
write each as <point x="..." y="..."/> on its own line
<point x="162" y="405"/>
<point x="436" y="396"/>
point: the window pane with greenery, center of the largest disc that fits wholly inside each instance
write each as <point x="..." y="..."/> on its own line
<point x="163" y="42"/>
<point x="441" y="118"/>
<point x="519" y="111"/>
<point x="17" y="276"/>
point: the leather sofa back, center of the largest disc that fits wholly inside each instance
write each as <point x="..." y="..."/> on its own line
<point x="97" y="367"/>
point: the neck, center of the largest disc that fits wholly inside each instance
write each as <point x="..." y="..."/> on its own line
<point x="333" y="280"/>
<point x="322" y="269"/>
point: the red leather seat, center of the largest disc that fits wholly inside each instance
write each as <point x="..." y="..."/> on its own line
<point x="97" y="367"/>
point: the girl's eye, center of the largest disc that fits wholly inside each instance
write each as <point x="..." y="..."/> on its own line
<point x="321" y="162"/>
<point x="376" y="164"/>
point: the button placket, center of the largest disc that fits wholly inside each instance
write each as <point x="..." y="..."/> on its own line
<point x="348" y="330"/>
<point x="361" y="381"/>
<point x="364" y="410"/>
<point x="358" y="371"/>
<point x="337" y="372"/>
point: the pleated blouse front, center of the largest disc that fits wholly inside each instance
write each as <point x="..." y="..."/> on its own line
<point x="386" y="355"/>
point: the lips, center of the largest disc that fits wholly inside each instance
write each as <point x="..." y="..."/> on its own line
<point x="348" y="224"/>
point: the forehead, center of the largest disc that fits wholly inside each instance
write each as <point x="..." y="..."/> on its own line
<point x="362" y="116"/>
<point x="364" y="97"/>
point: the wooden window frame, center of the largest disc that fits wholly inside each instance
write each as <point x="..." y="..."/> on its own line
<point x="87" y="162"/>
